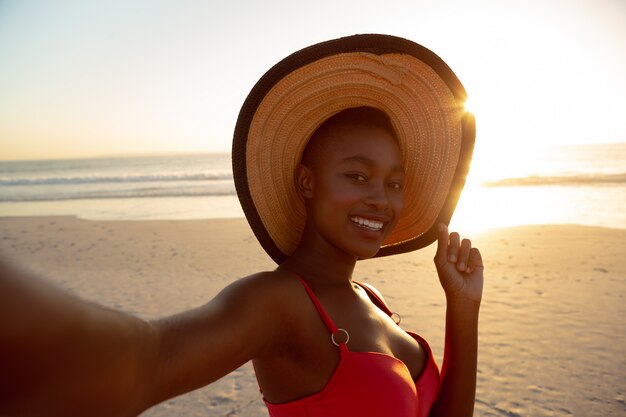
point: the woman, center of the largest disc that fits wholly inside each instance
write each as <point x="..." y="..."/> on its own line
<point x="328" y="169"/>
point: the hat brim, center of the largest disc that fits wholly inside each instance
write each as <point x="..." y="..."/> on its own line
<point x="420" y="93"/>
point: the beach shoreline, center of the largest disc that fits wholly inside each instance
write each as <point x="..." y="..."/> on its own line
<point x="552" y="328"/>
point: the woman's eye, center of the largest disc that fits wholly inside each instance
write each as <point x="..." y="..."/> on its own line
<point x="358" y="177"/>
<point x="395" y="185"/>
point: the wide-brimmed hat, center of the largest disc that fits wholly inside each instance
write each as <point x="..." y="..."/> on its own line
<point x="414" y="87"/>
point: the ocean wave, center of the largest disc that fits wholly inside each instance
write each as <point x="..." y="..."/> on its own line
<point x="106" y="179"/>
<point x="118" y="194"/>
<point x="574" y="180"/>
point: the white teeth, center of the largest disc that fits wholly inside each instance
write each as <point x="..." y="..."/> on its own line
<point x="370" y="224"/>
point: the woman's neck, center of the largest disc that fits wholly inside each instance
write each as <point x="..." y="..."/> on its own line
<point x="320" y="265"/>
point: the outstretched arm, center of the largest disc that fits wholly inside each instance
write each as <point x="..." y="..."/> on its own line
<point x="460" y="271"/>
<point x="60" y="355"/>
<point x="63" y="356"/>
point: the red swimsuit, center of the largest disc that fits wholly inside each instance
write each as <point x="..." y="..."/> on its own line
<point x="367" y="383"/>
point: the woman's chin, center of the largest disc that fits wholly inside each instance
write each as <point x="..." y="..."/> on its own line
<point x="367" y="253"/>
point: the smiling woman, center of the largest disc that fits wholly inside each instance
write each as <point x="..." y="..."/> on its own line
<point x="423" y="99"/>
<point x="353" y="157"/>
<point x="383" y="171"/>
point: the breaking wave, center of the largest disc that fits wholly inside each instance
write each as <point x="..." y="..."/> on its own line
<point x="573" y="180"/>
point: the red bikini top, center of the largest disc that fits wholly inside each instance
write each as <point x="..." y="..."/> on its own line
<point x="368" y="384"/>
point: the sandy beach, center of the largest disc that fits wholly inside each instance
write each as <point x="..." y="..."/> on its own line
<point x="552" y="326"/>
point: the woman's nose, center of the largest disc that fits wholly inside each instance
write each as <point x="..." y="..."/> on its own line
<point x="377" y="196"/>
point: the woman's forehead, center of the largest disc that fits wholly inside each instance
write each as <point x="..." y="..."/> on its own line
<point x="368" y="145"/>
<point x="355" y="127"/>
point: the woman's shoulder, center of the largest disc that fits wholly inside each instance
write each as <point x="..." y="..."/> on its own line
<point x="277" y="297"/>
<point x="267" y="282"/>
<point x="278" y="289"/>
<point x="372" y="291"/>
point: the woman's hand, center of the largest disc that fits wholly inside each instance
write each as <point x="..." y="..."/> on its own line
<point x="459" y="266"/>
<point x="460" y="269"/>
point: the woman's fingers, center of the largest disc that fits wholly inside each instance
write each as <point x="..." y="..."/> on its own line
<point x="453" y="247"/>
<point x="442" y="245"/>
<point x="450" y="248"/>
<point x="475" y="260"/>
<point x="463" y="257"/>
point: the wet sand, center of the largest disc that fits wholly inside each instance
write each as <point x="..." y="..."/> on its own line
<point x="552" y="326"/>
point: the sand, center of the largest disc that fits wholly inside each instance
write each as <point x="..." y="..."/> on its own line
<point x="552" y="326"/>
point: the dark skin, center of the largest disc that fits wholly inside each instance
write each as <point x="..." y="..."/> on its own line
<point x="358" y="174"/>
<point x="336" y="190"/>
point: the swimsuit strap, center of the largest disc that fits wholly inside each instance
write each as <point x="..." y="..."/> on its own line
<point x="379" y="301"/>
<point x="334" y="330"/>
<point x="327" y="320"/>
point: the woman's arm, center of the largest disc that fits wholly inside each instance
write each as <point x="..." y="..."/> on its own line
<point x="60" y="355"/>
<point x="460" y="271"/>
<point x="202" y="345"/>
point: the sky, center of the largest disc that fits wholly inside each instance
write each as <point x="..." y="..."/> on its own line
<point x="94" y="78"/>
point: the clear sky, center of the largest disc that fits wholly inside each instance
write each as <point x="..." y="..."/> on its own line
<point x="88" y="78"/>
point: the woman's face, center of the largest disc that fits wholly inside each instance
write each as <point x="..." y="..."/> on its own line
<point x="356" y="187"/>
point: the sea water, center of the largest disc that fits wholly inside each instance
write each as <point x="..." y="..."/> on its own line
<point x="572" y="184"/>
<point x="583" y="184"/>
<point x="142" y="187"/>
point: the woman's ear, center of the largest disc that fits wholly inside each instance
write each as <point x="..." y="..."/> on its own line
<point x="304" y="181"/>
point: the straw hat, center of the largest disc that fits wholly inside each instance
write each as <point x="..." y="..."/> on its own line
<point x="418" y="91"/>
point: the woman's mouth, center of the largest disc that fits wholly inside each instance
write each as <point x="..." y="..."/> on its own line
<point x="374" y="225"/>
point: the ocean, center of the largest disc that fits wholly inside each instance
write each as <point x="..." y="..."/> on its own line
<point x="139" y="188"/>
<point x="583" y="184"/>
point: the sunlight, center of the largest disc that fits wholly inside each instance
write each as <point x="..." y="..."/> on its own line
<point x="469" y="106"/>
<point x="483" y="206"/>
<point x="481" y="209"/>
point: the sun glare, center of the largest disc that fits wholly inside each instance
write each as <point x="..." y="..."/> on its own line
<point x="468" y="106"/>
